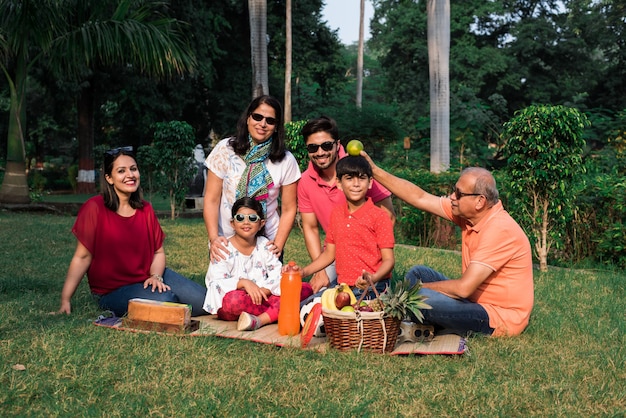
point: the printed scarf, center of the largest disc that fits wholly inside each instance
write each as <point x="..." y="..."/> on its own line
<point x="256" y="180"/>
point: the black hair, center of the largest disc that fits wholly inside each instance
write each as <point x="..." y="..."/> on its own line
<point x="240" y="142"/>
<point x="250" y="203"/>
<point x="111" y="200"/>
<point x="321" y="124"/>
<point x="353" y="165"/>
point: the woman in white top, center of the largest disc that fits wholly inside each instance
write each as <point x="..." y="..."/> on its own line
<point x="255" y="163"/>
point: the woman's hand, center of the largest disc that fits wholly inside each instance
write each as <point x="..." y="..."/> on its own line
<point x="156" y="284"/>
<point x="256" y="293"/>
<point x="217" y="249"/>
<point x="273" y="248"/>
<point x="66" y="307"/>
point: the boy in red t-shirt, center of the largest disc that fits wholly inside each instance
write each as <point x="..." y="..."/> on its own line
<point x="360" y="236"/>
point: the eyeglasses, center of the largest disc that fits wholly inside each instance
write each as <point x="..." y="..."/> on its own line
<point x="240" y="217"/>
<point x="258" y="117"/>
<point x="326" y="146"/>
<point x="459" y="194"/>
<point x="117" y="150"/>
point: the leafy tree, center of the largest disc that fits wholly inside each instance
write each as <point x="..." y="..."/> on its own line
<point x="173" y="147"/>
<point x="544" y="147"/>
<point x="74" y="36"/>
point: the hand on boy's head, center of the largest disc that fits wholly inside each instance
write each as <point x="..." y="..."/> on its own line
<point x="368" y="159"/>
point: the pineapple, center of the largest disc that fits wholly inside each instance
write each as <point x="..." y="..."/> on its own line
<point x="401" y="298"/>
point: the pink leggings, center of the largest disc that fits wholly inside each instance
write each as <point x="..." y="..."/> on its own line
<point x="237" y="301"/>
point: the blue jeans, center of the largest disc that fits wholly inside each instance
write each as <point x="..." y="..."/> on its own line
<point x="459" y="315"/>
<point x="380" y="287"/>
<point x="182" y="290"/>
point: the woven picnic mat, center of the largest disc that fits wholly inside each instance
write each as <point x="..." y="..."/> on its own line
<point x="209" y="325"/>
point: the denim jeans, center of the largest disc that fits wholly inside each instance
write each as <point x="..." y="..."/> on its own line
<point x="459" y="315"/>
<point x="182" y="290"/>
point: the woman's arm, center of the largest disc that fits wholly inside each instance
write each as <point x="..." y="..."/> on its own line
<point x="288" y="208"/>
<point x="211" y="213"/>
<point x="78" y="268"/>
<point x="157" y="268"/>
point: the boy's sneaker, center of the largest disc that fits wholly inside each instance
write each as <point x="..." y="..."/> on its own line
<point x="248" y="322"/>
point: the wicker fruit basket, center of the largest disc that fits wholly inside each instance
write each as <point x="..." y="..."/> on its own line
<point x="369" y="331"/>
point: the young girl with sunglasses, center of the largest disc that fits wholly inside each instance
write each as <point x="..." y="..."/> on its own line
<point x="245" y="286"/>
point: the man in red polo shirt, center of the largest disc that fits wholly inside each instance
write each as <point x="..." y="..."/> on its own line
<point x="318" y="193"/>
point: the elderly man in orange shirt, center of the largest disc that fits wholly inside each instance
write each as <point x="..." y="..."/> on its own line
<point x="495" y="292"/>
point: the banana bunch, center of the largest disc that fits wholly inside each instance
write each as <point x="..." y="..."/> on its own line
<point x="329" y="296"/>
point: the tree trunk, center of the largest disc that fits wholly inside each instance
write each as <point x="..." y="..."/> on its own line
<point x="288" y="51"/>
<point x="359" y="60"/>
<point x="15" y="185"/>
<point x="439" y="67"/>
<point x="258" y="46"/>
<point x="86" y="168"/>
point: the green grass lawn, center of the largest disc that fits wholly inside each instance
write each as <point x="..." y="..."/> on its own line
<point x="569" y="362"/>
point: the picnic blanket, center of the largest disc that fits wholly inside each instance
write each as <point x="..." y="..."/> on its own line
<point x="209" y="325"/>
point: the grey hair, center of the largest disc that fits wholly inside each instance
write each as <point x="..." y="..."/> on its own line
<point x="485" y="183"/>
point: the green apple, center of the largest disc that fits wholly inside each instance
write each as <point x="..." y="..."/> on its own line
<point x="354" y="147"/>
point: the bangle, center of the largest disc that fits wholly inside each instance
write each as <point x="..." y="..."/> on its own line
<point x="157" y="276"/>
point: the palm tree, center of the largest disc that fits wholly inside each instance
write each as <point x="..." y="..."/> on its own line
<point x="439" y="74"/>
<point x="359" y="60"/>
<point x="288" y="51"/>
<point x="257" y="10"/>
<point x="74" y="36"/>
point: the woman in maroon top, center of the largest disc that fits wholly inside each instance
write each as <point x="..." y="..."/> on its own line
<point x="120" y="246"/>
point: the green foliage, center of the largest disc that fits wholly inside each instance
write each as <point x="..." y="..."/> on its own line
<point x="295" y="142"/>
<point x="420" y="228"/>
<point x="172" y="152"/>
<point x="544" y="146"/>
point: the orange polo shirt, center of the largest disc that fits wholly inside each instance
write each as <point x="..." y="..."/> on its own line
<point x="498" y="242"/>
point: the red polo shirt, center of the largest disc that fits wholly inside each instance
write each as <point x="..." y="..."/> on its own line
<point x="358" y="238"/>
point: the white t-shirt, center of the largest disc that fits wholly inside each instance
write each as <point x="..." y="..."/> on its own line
<point x="228" y="166"/>
<point x="262" y="267"/>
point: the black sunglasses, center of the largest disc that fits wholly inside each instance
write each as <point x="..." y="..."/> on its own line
<point x="117" y="150"/>
<point x="459" y="194"/>
<point x="326" y="146"/>
<point x="240" y="217"/>
<point x="258" y="117"/>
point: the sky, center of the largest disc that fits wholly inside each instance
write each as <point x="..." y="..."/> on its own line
<point x="344" y="15"/>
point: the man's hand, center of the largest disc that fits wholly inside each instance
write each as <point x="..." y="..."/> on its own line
<point x="364" y="280"/>
<point x="319" y="280"/>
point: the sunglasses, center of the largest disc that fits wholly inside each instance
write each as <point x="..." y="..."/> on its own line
<point x="117" y="150"/>
<point x="258" y="117"/>
<point x="459" y="194"/>
<point x="240" y="217"/>
<point x="326" y="146"/>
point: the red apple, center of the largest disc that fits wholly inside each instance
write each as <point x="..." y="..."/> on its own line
<point x="342" y="299"/>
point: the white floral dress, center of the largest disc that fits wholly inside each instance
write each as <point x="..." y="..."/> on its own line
<point x="262" y="267"/>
